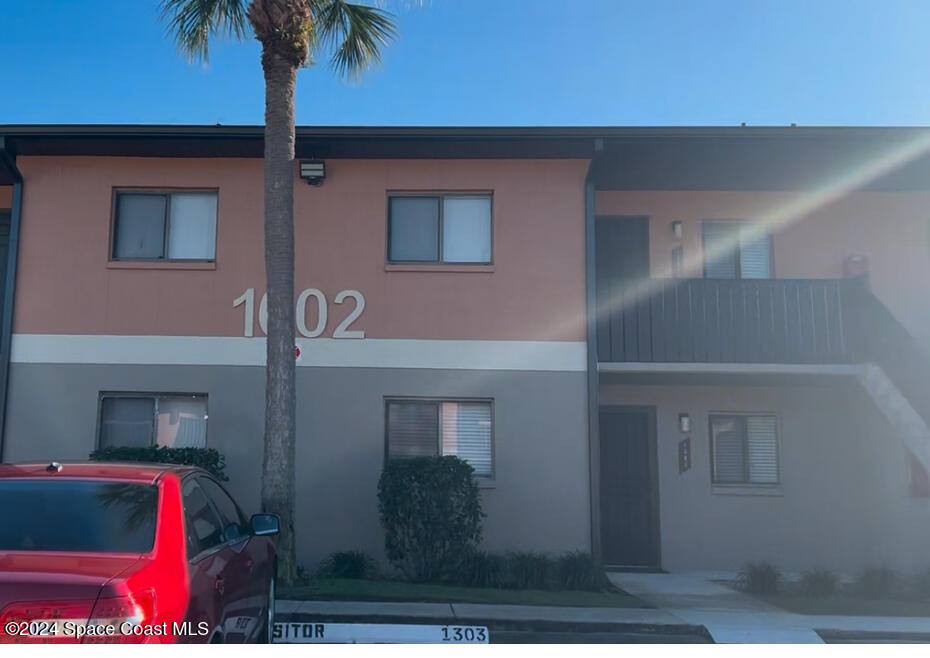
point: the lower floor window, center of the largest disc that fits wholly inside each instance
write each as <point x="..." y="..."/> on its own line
<point x="142" y="420"/>
<point x="745" y="449"/>
<point x="417" y="428"/>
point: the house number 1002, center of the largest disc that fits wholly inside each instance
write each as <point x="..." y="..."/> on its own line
<point x="342" y="331"/>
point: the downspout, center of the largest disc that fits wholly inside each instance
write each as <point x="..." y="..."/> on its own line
<point x="6" y="315"/>
<point x="594" y="443"/>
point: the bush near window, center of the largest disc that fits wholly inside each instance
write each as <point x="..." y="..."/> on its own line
<point x="209" y="459"/>
<point x="578" y="571"/>
<point x="819" y="582"/>
<point x="356" y="565"/>
<point x="482" y="569"/>
<point x="919" y="586"/>
<point x="430" y="508"/>
<point x="527" y="570"/>
<point x="760" y="578"/>
<point x="877" y="582"/>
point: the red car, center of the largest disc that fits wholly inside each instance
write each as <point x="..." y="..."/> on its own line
<point x="113" y="553"/>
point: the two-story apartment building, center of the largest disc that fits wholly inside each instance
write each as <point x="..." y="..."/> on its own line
<point x="676" y="348"/>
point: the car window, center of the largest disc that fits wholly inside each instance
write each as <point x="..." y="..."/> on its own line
<point x="74" y="515"/>
<point x="234" y="525"/>
<point x="204" y="530"/>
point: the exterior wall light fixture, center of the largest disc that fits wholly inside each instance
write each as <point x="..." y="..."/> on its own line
<point x="677" y="229"/>
<point x="313" y="171"/>
<point x="684" y="423"/>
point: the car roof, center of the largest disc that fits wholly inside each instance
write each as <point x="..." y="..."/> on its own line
<point x="134" y="471"/>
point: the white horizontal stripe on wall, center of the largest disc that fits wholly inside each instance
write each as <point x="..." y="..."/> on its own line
<point x="326" y="352"/>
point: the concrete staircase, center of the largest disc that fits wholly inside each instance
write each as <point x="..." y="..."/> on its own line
<point x="895" y="370"/>
<point x="897" y="409"/>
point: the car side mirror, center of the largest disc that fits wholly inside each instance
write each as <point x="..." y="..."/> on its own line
<point x="265" y="524"/>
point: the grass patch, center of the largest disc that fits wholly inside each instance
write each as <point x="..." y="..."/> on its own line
<point x="342" y="589"/>
<point x="848" y="605"/>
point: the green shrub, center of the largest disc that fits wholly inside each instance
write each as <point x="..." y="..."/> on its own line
<point x="304" y="577"/>
<point x="760" y="578"/>
<point x="528" y="570"/>
<point x="348" y="564"/>
<point x="430" y="508"/>
<point x="578" y="571"/>
<point x="208" y="459"/>
<point x="919" y="586"/>
<point x="876" y="582"/>
<point x="482" y="569"/>
<point x="819" y="582"/>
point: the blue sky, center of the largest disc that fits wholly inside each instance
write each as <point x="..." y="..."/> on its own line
<point x="496" y="62"/>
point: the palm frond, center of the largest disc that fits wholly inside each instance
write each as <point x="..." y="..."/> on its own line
<point x="353" y="33"/>
<point x="193" y="22"/>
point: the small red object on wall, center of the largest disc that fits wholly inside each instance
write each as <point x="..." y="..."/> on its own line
<point x="856" y="265"/>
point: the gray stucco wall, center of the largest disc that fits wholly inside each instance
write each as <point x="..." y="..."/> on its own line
<point x="844" y="500"/>
<point x="539" y="499"/>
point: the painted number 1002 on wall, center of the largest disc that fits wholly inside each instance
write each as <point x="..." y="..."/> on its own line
<point x="342" y="330"/>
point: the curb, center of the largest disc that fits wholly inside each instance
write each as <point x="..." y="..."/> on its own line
<point x="497" y="624"/>
<point x="836" y="636"/>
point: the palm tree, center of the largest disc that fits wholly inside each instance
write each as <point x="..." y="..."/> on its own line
<point x="290" y="31"/>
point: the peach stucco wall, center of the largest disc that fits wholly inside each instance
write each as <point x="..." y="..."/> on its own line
<point x="534" y="291"/>
<point x="891" y="228"/>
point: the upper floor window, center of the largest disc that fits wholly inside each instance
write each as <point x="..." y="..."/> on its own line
<point x="736" y="250"/>
<point x="165" y="226"/>
<point x="141" y="420"/>
<point x="424" y="428"/>
<point x="448" y="228"/>
<point x="744" y="449"/>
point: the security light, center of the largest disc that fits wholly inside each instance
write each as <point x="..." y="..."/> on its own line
<point x="313" y="171"/>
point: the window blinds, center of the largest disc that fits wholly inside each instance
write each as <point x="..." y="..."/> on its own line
<point x="762" y="449"/>
<point x="755" y="254"/>
<point x="192" y="232"/>
<point x="466" y="229"/>
<point x="426" y="428"/>
<point x="736" y="250"/>
<point x="466" y="432"/>
<point x="745" y="449"/>
<point x="721" y="259"/>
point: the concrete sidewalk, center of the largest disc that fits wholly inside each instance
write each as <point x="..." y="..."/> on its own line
<point x="732" y="617"/>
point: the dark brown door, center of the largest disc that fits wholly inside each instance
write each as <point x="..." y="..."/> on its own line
<point x="629" y="494"/>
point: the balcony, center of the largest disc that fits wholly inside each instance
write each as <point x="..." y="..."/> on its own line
<point x="784" y="321"/>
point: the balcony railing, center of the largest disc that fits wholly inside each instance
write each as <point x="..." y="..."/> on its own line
<point x="725" y="321"/>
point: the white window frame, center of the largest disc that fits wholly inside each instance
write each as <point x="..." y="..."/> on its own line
<point x="153" y="438"/>
<point x="441" y="197"/>
<point x="167" y="193"/>
<point x="438" y="402"/>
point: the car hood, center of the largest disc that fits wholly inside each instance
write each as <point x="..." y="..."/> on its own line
<point x="40" y="576"/>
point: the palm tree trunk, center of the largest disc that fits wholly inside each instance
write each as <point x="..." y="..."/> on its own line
<point x="278" y="474"/>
